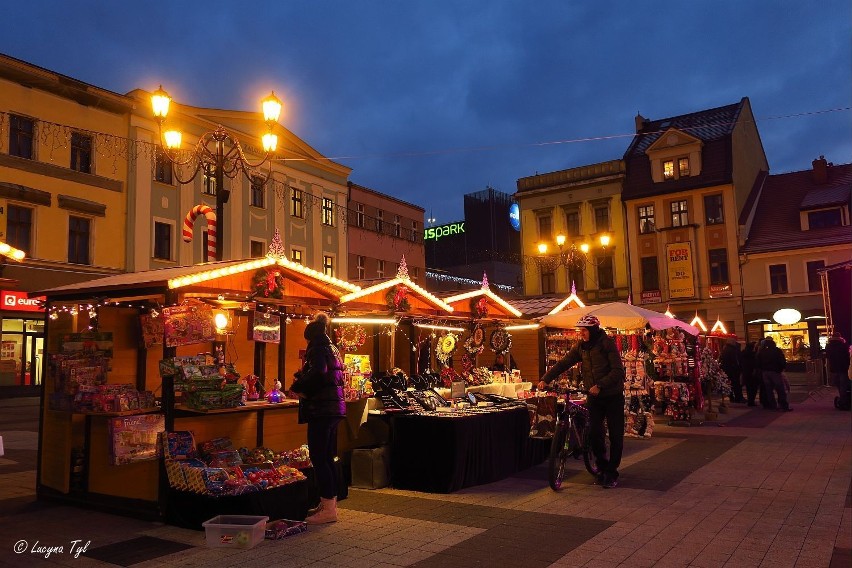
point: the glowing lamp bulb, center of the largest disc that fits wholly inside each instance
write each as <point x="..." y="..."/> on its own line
<point x="787" y="316"/>
<point x="604" y="240"/>
<point x="173" y="139"/>
<point x="221" y="321"/>
<point x="542" y="248"/>
<point x="584" y="247"/>
<point x="160" y="103"/>
<point x="560" y="240"/>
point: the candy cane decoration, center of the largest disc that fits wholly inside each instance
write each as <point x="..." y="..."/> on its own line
<point x="210" y="215"/>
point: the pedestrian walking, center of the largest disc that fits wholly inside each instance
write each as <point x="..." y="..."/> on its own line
<point x="772" y="363"/>
<point x="837" y="360"/>
<point x="729" y="360"/>
<point x="748" y="372"/>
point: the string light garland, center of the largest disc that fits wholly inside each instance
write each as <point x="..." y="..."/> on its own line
<point x="460" y="280"/>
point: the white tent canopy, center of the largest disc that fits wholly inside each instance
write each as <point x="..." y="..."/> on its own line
<point x="617" y="315"/>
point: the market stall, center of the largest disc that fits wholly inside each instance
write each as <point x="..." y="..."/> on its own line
<point x="658" y="355"/>
<point x="204" y="350"/>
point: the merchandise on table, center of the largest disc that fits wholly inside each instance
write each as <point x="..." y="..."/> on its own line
<point x="205" y="385"/>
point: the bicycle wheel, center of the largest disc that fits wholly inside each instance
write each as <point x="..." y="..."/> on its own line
<point x="558" y="457"/>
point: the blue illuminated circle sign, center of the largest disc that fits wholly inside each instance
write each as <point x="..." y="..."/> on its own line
<point x="515" y="216"/>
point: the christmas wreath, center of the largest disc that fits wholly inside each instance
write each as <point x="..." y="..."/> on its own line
<point x="446" y="347"/>
<point x="351" y="337"/>
<point x="268" y="282"/>
<point x="475" y="343"/>
<point x="500" y="340"/>
<point x="479" y="307"/>
<point x="397" y="299"/>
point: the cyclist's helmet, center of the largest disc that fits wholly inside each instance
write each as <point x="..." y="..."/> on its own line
<point x="588" y="321"/>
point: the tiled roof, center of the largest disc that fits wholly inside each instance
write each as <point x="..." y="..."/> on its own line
<point x="706" y="125"/>
<point x="776" y="225"/>
<point x="713" y="127"/>
<point x="537" y="305"/>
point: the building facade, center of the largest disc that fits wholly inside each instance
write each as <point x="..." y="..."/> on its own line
<point x="567" y="211"/>
<point x="63" y="188"/>
<point x="795" y="225"/>
<point x="305" y="197"/>
<point x="687" y="180"/>
<point x="381" y="230"/>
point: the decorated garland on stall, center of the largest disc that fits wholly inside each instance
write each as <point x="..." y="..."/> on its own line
<point x="268" y="282"/>
<point x="397" y="299"/>
<point x="479" y="307"/>
<point x="446" y="347"/>
<point x="475" y="343"/>
<point x="500" y="341"/>
<point x="351" y="337"/>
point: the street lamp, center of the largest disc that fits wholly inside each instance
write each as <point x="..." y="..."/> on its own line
<point x="569" y="257"/>
<point x="222" y="161"/>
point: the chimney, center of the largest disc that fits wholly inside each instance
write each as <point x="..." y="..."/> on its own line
<point x="820" y="174"/>
<point x="640" y="122"/>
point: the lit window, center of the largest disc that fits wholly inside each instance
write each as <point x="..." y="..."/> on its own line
<point x="668" y="169"/>
<point x="683" y="167"/>
<point x="296" y="255"/>
<point x="646" y="219"/>
<point x="328" y="265"/>
<point x="680" y="215"/>
<point x="327" y="212"/>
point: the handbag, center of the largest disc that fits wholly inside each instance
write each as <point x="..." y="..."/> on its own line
<point x="542" y="412"/>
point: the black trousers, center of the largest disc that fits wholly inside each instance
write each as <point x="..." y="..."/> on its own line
<point x="753" y="381"/>
<point x="610" y="409"/>
<point x="322" y="445"/>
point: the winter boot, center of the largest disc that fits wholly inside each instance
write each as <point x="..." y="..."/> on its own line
<point x="327" y="512"/>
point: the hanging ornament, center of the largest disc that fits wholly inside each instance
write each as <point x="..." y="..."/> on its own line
<point x="446" y="347"/>
<point x="475" y="344"/>
<point x="268" y="282"/>
<point x="397" y="298"/>
<point x="500" y="341"/>
<point x="479" y="307"/>
<point x="351" y="337"/>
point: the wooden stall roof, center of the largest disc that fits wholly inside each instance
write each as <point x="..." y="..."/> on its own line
<point x="497" y="306"/>
<point x="421" y="301"/>
<point x="233" y="277"/>
<point x="537" y="306"/>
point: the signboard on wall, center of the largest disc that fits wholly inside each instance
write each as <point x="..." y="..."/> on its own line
<point x="515" y="216"/>
<point x="680" y="273"/>
<point x="651" y="297"/>
<point x="721" y="291"/>
<point x="435" y="233"/>
<point x="20" y="301"/>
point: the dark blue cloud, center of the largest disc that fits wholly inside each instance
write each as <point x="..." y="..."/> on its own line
<point x="431" y="100"/>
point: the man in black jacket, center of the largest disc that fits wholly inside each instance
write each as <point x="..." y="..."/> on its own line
<point x="837" y="357"/>
<point x="772" y="362"/>
<point x="603" y="377"/>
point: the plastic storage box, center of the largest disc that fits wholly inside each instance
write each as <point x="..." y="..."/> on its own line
<point x="235" y="531"/>
<point x="371" y="467"/>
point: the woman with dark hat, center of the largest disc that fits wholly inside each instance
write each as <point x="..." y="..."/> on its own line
<point x="319" y="386"/>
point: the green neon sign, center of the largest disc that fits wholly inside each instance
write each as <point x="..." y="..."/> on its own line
<point x="443" y="231"/>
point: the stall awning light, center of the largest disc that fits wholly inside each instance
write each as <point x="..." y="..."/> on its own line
<point x="366" y="321"/>
<point x="489" y="294"/>
<point x="566" y="302"/>
<point x="719" y="327"/>
<point x="696" y="322"/>
<point x="761" y="320"/>
<point x="439" y="327"/>
<point x="522" y="326"/>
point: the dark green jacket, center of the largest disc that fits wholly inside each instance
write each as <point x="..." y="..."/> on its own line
<point x="600" y="365"/>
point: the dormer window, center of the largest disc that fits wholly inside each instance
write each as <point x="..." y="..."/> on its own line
<point x="668" y="169"/>
<point x="825" y="218"/>
<point x="683" y="167"/>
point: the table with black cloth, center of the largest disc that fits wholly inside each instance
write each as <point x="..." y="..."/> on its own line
<point x="442" y="454"/>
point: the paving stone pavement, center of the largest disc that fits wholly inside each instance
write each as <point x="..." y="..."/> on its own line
<point x="751" y="489"/>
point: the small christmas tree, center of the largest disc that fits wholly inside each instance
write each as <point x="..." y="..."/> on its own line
<point x="713" y="377"/>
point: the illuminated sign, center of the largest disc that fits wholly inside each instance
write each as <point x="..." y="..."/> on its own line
<point x="515" y="216"/>
<point x="19" y="301"/>
<point x="651" y="297"/>
<point x="681" y="276"/>
<point x="443" y="231"/>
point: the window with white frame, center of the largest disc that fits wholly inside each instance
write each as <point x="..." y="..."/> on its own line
<point x="327" y="212"/>
<point x="79" y="240"/>
<point x="414" y="231"/>
<point x="380" y="268"/>
<point x="258" y="192"/>
<point x="297" y="203"/>
<point x="296" y="255"/>
<point x="680" y="215"/>
<point x="81" y="152"/>
<point x="380" y="220"/>
<point x="257" y="249"/>
<point x="646" y="219"/>
<point x="397" y="227"/>
<point x="21" y="136"/>
<point x="359" y="262"/>
<point x="359" y="215"/>
<point x="328" y="265"/>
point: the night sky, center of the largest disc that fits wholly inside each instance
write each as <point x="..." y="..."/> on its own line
<point x="429" y="100"/>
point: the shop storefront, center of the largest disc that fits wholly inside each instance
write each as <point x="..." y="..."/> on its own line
<point x="22" y="341"/>
<point x="798" y="328"/>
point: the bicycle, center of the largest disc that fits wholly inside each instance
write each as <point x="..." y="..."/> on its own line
<point x="571" y="439"/>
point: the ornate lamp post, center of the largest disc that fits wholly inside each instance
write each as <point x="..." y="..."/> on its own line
<point x="217" y="151"/>
<point x="569" y="257"/>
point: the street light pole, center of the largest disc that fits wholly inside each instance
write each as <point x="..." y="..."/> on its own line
<point x="222" y="163"/>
